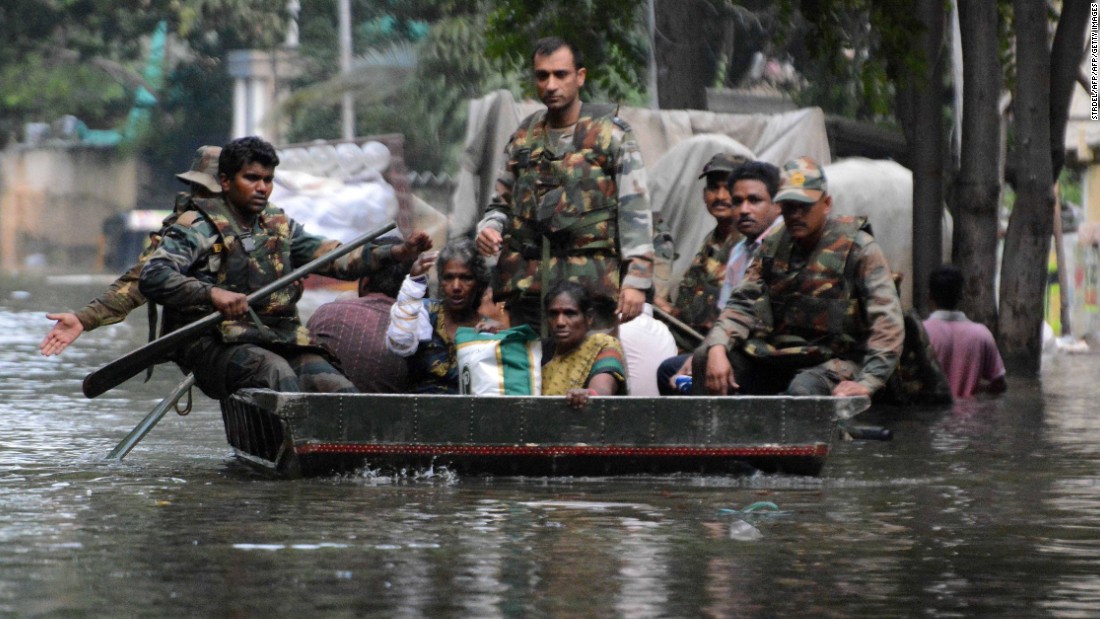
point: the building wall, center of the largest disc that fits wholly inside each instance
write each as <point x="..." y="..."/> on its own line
<point x="53" y="202"/>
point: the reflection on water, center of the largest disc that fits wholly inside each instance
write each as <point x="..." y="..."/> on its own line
<point x="989" y="507"/>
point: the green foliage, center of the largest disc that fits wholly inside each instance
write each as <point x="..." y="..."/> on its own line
<point x="37" y="89"/>
<point x="1069" y="187"/>
<point x="86" y="58"/>
<point x="469" y="49"/>
<point x="452" y="69"/>
<point x="851" y="53"/>
<point x="610" y="34"/>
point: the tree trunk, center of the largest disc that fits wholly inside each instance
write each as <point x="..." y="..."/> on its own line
<point x="1065" y="61"/>
<point x="978" y="190"/>
<point x="1027" y="242"/>
<point x="926" y="143"/>
<point x="684" y="66"/>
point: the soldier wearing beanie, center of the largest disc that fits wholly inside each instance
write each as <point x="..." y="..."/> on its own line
<point x="123" y="296"/>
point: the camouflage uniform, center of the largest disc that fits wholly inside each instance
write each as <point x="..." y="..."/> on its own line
<point x="664" y="254"/>
<point x="123" y="296"/>
<point x="575" y="198"/>
<point x="819" y="319"/>
<point x="697" y="299"/>
<point x="919" y="378"/>
<point x="270" y="348"/>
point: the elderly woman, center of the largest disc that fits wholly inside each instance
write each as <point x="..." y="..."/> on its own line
<point x="423" y="330"/>
<point x="578" y="363"/>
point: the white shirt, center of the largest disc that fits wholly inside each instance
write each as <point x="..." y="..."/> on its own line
<point x="747" y="248"/>
<point x="646" y="343"/>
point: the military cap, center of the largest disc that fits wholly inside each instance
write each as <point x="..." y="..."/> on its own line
<point x="204" y="168"/>
<point x="723" y="162"/>
<point x="803" y="180"/>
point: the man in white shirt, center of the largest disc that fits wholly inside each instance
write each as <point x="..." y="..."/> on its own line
<point x="752" y="186"/>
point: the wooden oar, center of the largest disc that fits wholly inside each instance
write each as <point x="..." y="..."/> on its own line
<point x="154" y="417"/>
<point x="675" y="322"/>
<point x="122" y="369"/>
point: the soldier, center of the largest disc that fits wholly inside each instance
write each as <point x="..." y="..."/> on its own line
<point x="739" y="196"/>
<point x="223" y="249"/>
<point x="571" y="201"/>
<point x="122" y="296"/>
<point x="817" y="312"/>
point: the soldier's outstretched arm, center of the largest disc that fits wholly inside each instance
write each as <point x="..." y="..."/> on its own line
<point x="120" y="298"/>
<point x="417" y="243"/>
<point x="64" y="332"/>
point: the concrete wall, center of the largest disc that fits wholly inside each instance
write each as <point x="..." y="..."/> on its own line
<point x="53" y="201"/>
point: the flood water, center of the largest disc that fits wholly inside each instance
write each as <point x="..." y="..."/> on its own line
<point x="988" y="508"/>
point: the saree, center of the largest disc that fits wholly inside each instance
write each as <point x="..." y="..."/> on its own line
<point x="598" y="353"/>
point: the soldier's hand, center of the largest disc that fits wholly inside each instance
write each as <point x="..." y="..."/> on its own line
<point x="489" y="242"/>
<point x="416" y="244"/>
<point x="230" y="304"/>
<point x="720" y="377"/>
<point x="64" y="332"/>
<point x="631" y="302"/>
<point x="848" y="388"/>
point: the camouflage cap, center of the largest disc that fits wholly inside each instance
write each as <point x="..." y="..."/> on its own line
<point x="723" y="162"/>
<point x="803" y="181"/>
<point x="204" y="169"/>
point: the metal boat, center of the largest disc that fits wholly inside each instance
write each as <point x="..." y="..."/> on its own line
<point x="309" y="434"/>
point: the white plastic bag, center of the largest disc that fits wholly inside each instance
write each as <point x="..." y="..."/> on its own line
<point x="505" y="363"/>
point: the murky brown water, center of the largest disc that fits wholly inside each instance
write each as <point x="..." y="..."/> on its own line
<point x="985" y="509"/>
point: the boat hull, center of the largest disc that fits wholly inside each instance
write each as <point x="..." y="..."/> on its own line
<point x="298" y="434"/>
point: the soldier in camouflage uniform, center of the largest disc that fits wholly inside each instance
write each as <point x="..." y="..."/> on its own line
<point x="817" y="312"/>
<point x="216" y="254"/>
<point x="697" y="297"/>
<point x="571" y="201"/>
<point x="122" y="296"/>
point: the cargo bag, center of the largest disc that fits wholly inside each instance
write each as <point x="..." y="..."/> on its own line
<point x="504" y="363"/>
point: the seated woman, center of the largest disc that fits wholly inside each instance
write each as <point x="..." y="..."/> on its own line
<point x="578" y="363"/>
<point x="423" y="330"/>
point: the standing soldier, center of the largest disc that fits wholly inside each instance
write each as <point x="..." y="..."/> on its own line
<point x="571" y="201"/>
